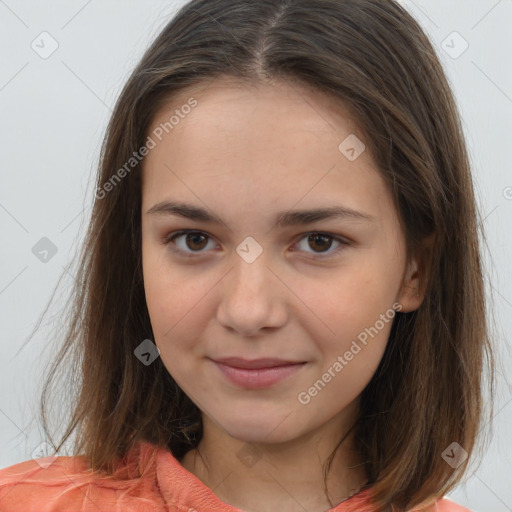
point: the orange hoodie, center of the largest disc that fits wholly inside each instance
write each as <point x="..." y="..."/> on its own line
<point x="153" y="480"/>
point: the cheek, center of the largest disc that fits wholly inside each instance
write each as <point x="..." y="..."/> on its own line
<point x="165" y="289"/>
<point x="348" y="362"/>
<point x="356" y="312"/>
<point x="178" y="305"/>
<point x="170" y="312"/>
<point x="175" y="314"/>
<point x="351" y="299"/>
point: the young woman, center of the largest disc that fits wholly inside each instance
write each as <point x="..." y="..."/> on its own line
<point x="280" y="304"/>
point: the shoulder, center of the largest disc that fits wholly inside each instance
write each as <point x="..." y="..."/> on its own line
<point x="441" y="505"/>
<point x="35" y="484"/>
<point x="447" y="505"/>
<point x="58" y="484"/>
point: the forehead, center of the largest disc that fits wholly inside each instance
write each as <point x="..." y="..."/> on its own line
<point x="259" y="144"/>
<point x="282" y="98"/>
<point x="239" y="125"/>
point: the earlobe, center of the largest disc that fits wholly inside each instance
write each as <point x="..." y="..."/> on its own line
<point x="411" y="296"/>
<point x="415" y="279"/>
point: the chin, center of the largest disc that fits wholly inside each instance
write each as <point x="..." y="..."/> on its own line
<point x="256" y="435"/>
<point x="262" y="428"/>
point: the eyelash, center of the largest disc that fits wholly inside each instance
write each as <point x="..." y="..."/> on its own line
<point x="169" y="239"/>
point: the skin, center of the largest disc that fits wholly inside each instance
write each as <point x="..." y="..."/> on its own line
<point x="244" y="153"/>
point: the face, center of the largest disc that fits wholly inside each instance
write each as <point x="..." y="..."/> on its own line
<point x="315" y="295"/>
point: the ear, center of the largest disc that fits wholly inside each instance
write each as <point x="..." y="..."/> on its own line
<point x="416" y="276"/>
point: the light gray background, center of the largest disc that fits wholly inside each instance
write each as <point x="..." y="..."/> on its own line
<point x="53" y="115"/>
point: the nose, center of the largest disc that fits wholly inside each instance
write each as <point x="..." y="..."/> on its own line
<point x="252" y="297"/>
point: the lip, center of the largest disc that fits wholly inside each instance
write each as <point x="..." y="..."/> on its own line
<point x="257" y="373"/>
<point x="239" y="362"/>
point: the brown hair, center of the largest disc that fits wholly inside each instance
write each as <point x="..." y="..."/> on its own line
<point x="372" y="55"/>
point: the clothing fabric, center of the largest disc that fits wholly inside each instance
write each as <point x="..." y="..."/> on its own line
<point x="152" y="480"/>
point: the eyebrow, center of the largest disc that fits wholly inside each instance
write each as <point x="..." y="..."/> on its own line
<point x="282" y="219"/>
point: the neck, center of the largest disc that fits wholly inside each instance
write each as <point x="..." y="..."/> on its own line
<point x="285" y="476"/>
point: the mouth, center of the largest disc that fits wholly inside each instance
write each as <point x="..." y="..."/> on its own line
<point x="255" y="364"/>
<point x="257" y="373"/>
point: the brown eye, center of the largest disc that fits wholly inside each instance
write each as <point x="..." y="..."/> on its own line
<point x="189" y="242"/>
<point x="195" y="241"/>
<point x="320" y="242"/>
